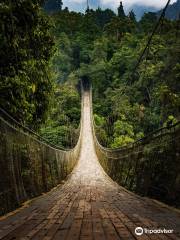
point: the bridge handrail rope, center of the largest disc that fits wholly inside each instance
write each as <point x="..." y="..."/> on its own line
<point x="26" y="129"/>
<point x="29" y="166"/>
<point x="41" y="67"/>
<point x="12" y="120"/>
<point x="157" y="133"/>
<point x="134" y="165"/>
<point x="160" y="20"/>
<point x="151" y="136"/>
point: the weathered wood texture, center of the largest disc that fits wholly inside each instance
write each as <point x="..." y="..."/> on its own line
<point x="89" y="206"/>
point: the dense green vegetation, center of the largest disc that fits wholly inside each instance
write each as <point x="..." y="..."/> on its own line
<point x="104" y="48"/>
<point x="33" y="65"/>
<point x="26" y="47"/>
<point x="62" y="125"/>
<point x="44" y="58"/>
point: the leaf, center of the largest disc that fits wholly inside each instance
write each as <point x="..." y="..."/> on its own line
<point x="33" y="88"/>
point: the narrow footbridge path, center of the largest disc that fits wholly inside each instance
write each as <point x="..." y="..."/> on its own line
<point x="89" y="205"/>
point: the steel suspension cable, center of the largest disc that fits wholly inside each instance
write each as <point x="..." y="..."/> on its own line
<point x="151" y="37"/>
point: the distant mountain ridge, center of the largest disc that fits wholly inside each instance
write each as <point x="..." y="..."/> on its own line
<point x="139" y="10"/>
<point x="173" y="11"/>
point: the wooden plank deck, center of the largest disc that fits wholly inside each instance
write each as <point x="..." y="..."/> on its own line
<point x="89" y="206"/>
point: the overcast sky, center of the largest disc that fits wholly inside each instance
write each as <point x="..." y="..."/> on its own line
<point x="81" y="4"/>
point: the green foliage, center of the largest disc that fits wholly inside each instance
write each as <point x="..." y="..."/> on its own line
<point x="102" y="17"/>
<point x="171" y="120"/>
<point x="66" y="22"/>
<point x="121" y="141"/>
<point x="26" y="46"/>
<point x="61" y="128"/>
<point x="99" y="121"/>
<point x="148" y="21"/>
<point x="121" y="127"/>
<point x="147" y="97"/>
<point x="62" y="59"/>
<point x="99" y="46"/>
<point x="123" y="133"/>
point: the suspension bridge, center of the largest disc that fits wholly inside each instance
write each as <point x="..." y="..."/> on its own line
<point x="89" y="192"/>
<point x="88" y="204"/>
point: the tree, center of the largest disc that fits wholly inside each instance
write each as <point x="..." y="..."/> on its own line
<point x="53" y="5"/>
<point x="102" y="17"/>
<point x="132" y="16"/>
<point x="121" y="13"/>
<point x="26" y="47"/>
<point x="104" y="49"/>
<point x="123" y="134"/>
<point x="115" y="28"/>
<point x="63" y="121"/>
<point x="62" y="59"/>
<point x="148" y="21"/>
<point x="89" y="27"/>
<point x="67" y="22"/>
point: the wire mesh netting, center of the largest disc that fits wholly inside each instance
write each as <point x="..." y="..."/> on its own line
<point x="29" y="167"/>
<point x="149" y="167"/>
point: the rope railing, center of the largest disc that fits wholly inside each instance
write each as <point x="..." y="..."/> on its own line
<point x="150" y="38"/>
<point x="5" y="115"/>
<point x="15" y="123"/>
<point x="149" y="166"/>
<point x="28" y="165"/>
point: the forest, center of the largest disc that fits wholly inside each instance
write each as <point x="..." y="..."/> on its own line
<point x="45" y="56"/>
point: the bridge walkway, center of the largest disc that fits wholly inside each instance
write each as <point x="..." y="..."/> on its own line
<point x="89" y="205"/>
